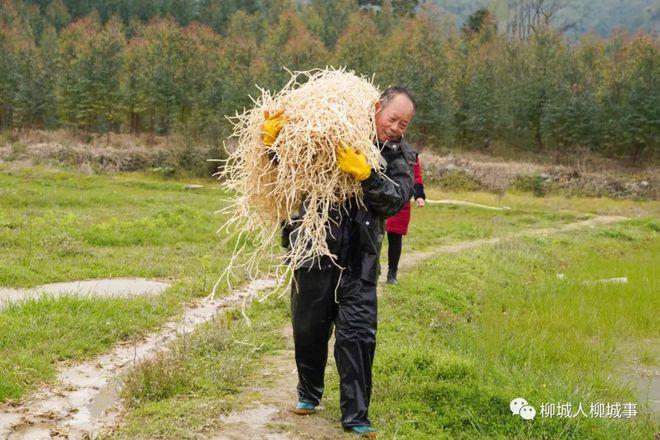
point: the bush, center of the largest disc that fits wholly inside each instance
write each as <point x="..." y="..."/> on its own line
<point x="455" y="181"/>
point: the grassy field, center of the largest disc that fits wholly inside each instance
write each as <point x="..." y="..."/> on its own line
<point x="459" y="338"/>
<point x="437" y="224"/>
<point x="61" y="226"/>
<point x="57" y="225"/>
<point x="463" y="335"/>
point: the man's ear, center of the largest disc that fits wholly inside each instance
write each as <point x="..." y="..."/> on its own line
<point x="378" y="106"/>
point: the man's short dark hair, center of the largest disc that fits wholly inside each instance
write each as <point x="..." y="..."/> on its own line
<point x="391" y="92"/>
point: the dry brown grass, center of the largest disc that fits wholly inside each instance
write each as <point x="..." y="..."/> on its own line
<point x="321" y="107"/>
<point x="480" y="172"/>
<point x="109" y="152"/>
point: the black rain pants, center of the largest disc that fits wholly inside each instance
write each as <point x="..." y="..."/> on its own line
<point x="354" y="315"/>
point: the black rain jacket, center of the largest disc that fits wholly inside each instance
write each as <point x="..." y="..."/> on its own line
<point x="355" y="235"/>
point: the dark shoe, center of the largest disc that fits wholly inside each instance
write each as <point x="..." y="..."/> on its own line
<point x="391" y="277"/>
<point x="364" y="431"/>
<point x="303" y="409"/>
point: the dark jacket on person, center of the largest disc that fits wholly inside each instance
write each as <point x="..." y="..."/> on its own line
<point x="355" y="234"/>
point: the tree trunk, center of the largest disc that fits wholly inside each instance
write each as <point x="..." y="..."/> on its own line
<point x="637" y="151"/>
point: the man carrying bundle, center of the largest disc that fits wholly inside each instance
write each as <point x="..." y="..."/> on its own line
<point x="343" y="293"/>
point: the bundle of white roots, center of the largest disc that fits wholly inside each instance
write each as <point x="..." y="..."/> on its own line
<point x="268" y="185"/>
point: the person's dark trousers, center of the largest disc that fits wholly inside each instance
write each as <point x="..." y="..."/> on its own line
<point x="394" y="244"/>
<point x="314" y="312"/>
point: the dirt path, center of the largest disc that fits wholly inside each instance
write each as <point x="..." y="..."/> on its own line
<point x="262" y="411"/>
<point x="84" y="401"/>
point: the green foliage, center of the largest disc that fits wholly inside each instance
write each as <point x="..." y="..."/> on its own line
<point x="456" y="181"/>
<point x="631" y="96"/>
<point x="176" y="67"/>
<point x="330" y="18"/>
<point x="533" y="183"/>
<point x="358" y="47"/>
<point x="153" y="87"/>
<point x="571" y="117"/>
<point x="289" y="44"/>
<point x="477" y="22"/>
<point x="475" y="86"/>
<point x="417" y="59"/>
<point x="88" y="82"/>
<point x="25" y="79"/>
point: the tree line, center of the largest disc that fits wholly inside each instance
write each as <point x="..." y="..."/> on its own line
<point x="161" y="70"/>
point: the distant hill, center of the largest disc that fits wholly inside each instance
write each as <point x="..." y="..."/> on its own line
<point x="578" y="16"/>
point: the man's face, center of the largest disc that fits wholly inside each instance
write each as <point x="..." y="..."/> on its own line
<point x="393" y="119"/>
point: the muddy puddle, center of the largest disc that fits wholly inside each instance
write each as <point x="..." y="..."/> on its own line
<point x="111" y="287"/>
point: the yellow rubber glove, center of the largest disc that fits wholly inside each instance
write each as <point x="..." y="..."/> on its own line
<point x="352" y="162"/>
<point x="272" y="126"/>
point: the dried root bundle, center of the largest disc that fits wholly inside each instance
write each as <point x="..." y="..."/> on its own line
<point x="321" y="107"/>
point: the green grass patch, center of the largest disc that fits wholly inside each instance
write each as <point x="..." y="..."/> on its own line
<point x="60" y="226"/>
<point x="555" y="203"/>
<point x="458" y="339"/>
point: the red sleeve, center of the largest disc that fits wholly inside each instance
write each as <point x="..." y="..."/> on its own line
<point x="418" y="173"/>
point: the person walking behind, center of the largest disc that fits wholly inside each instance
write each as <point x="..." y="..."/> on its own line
<point x="397" y="226"/>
